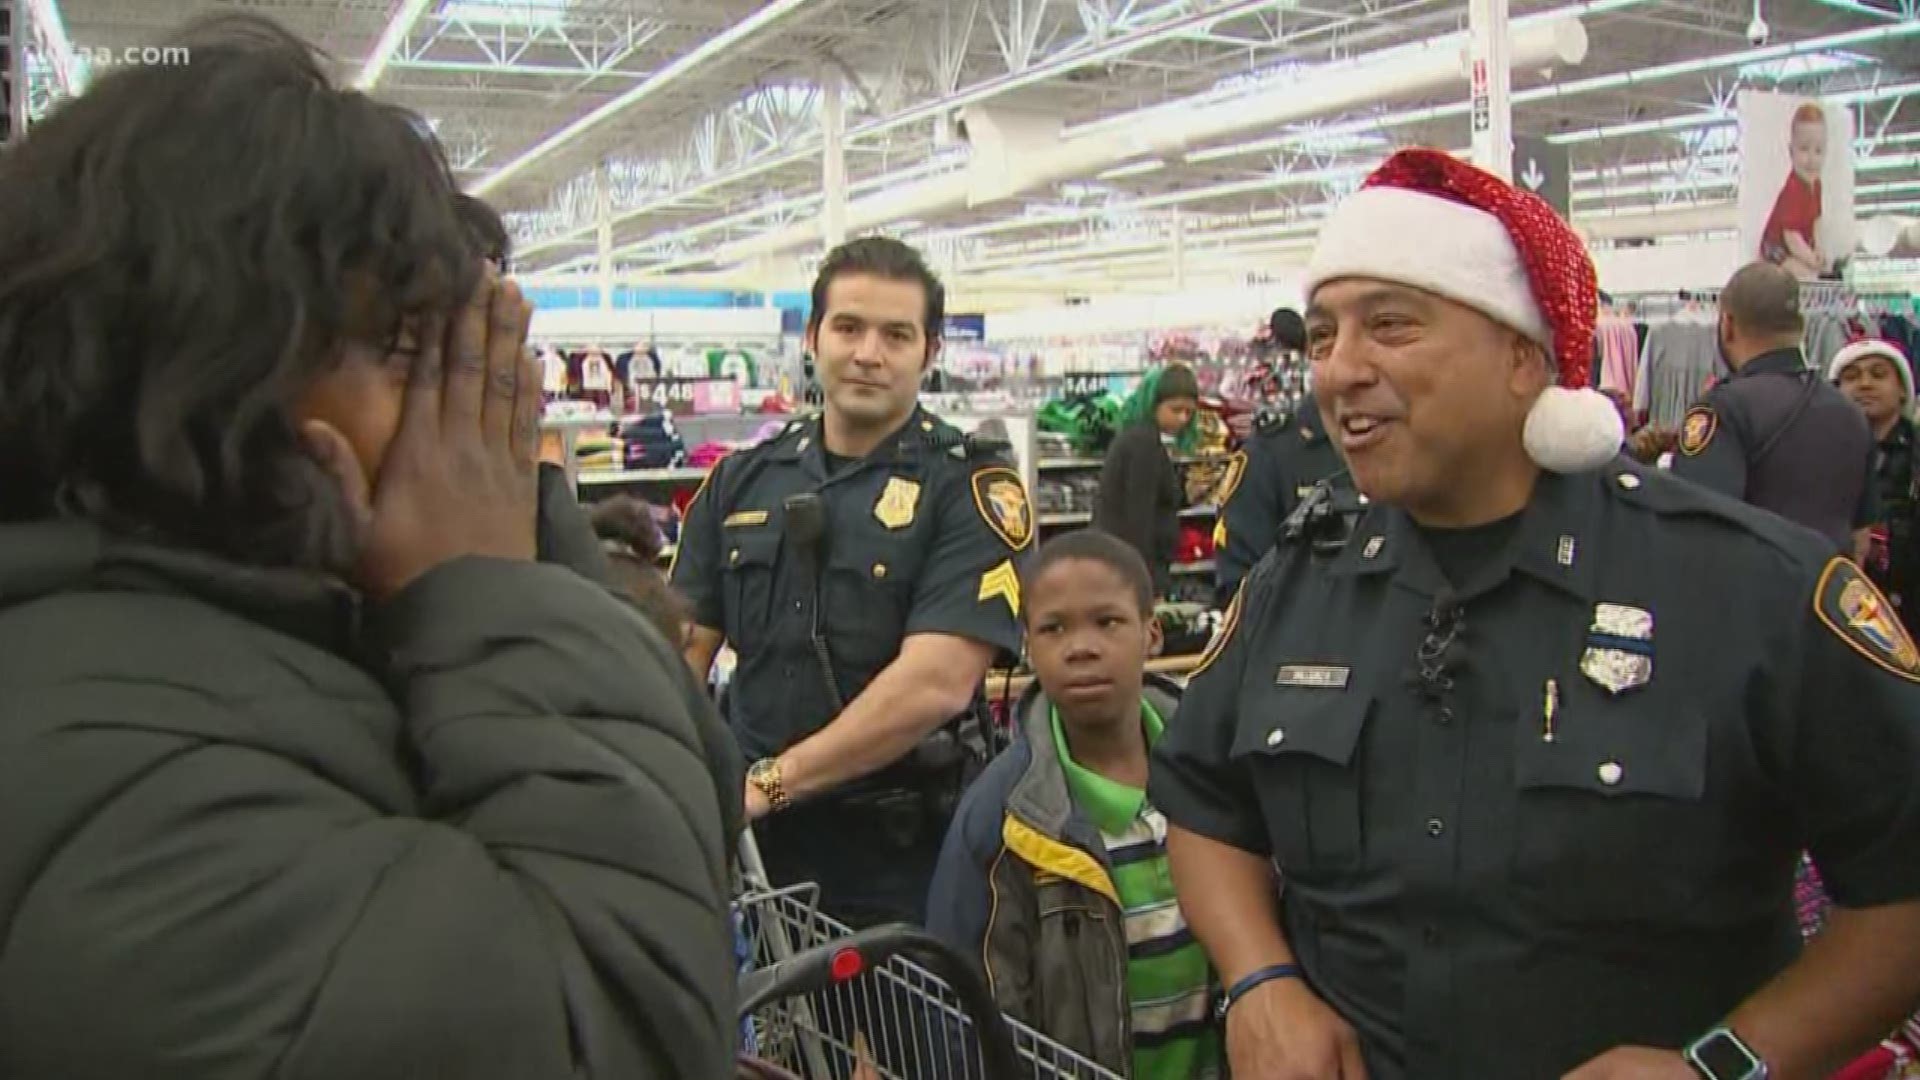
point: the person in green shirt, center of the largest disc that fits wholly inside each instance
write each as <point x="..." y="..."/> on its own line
<point x="1054" y="873"/>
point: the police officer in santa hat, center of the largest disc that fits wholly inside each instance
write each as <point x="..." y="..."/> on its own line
<point x="1535" y="751"/>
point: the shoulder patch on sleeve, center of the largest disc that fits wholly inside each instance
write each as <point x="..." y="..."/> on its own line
<point x="1228" y="624"/>
<point x="1697" y="429"/>
<point x="1002" y="501"/>
<point x="1862" y="617"/>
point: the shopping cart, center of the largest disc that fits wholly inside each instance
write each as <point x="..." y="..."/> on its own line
<point x="821" y="1002"/>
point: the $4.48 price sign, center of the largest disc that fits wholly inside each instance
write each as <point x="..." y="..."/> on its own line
<point x="689" y="396"/>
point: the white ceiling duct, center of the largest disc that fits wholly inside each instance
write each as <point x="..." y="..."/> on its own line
<point x="1016" y="156"/>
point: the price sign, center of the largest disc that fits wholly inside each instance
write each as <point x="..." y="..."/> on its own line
<point x="687" y="397"/>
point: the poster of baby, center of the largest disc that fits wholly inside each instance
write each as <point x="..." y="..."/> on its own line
<point x="1796" y="183"/>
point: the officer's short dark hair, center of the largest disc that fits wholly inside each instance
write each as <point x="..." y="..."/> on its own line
<point x="883" y="257"/>
<point x="489" y="231"/>
<point x="1288" y="328"/>
<point x="1764" y="300"/>
<point x="1093" y="545"/>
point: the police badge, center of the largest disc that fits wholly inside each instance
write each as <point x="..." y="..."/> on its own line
<point x="1619" y="654"/>
<point x="897" y="503"/>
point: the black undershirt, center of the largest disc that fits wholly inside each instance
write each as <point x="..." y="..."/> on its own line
<point x="836" y="462"/>
<point x="1464" y="554"/>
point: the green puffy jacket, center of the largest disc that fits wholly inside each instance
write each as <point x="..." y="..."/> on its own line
<point x="256" y="828"/>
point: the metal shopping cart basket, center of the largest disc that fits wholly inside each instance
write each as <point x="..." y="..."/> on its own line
<point x="822" y="1002"/>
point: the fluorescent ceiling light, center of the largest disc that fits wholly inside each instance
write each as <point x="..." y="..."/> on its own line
<point x="1771" y="53"/>
<point x="1138" y="168"/>
<point x="69" y="70"/>
<point x="706" y="51"/>
<point x="527" y="14"/>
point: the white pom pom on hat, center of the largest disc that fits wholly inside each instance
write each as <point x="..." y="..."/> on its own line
<point x="1502" y="251"/>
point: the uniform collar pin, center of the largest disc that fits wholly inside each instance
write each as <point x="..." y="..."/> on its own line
<point x="1372" y="550"/>
<point x="1565" y="555"/>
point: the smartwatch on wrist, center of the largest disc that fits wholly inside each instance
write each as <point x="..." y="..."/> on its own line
<point x="1721" y="1055"/>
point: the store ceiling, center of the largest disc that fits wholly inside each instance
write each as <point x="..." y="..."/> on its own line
<point x="710" y="129"/>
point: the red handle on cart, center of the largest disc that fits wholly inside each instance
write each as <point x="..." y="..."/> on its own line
<point x="836" y="962"/>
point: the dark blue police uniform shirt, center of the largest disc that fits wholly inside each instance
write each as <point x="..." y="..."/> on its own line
<point x="1282" y="462"/>
<point x="1572" y="824"/>
<point x="1778" y="436"/>
<point x="922" y="536"/>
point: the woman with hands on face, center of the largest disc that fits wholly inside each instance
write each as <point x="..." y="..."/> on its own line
<point x="310" y="766"/>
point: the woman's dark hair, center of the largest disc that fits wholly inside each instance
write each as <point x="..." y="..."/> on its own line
<point x="1093" y="545"/>
<point x="488" y="230"/>
<point x="634" y="542"/>
<point x="183" y="249"/>
<point x="1177" y="381"/>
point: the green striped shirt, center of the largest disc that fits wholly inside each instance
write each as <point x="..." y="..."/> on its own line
<point x="1169" y="982"/>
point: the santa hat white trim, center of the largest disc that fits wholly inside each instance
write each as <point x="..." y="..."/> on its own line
<point x="1861" y="350"/>
<point x="1432" y="243"/>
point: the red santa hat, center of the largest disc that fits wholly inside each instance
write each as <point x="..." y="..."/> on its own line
<point x="1429" y="220"/>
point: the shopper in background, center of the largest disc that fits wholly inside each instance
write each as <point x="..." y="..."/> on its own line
<point x="1288" y="453"/>
<point x="1055" y="874"/>
<point x="633" y="543"/>
<point x="862" y="564"/>
<point x="1141" y="494"/>
<point x="1876" y="377"/>
<point x="308" y="767"/>
<point x="1537" y="751"/>
<point x="1776" y="434"/>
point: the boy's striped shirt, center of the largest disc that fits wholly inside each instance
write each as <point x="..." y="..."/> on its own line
<point x="1170" y="985"/>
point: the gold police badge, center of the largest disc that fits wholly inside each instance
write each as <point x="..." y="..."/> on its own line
<point x="897" y="503"/>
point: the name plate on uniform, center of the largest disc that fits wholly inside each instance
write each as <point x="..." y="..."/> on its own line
<point x="1313" y="676"/>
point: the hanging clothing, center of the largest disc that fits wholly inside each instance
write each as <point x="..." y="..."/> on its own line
<point x="1678" y="365"/>
<point x="1619" y="347"/>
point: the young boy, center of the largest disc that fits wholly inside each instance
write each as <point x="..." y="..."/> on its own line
<point x="1789" y="238"/>
<point x="1054" y="872"/>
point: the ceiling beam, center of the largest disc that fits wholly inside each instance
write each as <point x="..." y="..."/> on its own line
<point x="398" y="27"/>
<point x="713" y="47"/>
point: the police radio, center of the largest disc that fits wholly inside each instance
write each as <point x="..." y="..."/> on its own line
<point x="806" y="521"/>
<point x="1325" y="518"/>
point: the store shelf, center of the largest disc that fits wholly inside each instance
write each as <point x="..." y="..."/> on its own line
<point x="1083" y="517"/>
<point x="1204" y="566"/>
<point x="640" y="476"/>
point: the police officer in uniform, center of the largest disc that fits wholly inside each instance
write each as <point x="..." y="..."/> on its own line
<point x="1776" y="434"/>
<point x="1286" y="455"/>
<point x="1535" y="752"/>
<point x="863" y="566"/>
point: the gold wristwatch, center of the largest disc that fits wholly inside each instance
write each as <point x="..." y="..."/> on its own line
<point x="765" y="775"/>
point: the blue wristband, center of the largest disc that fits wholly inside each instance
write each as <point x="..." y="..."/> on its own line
<point x="1264" y="975"/>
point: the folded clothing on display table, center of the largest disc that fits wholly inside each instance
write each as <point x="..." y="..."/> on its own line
<point x="652" y="443"/>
